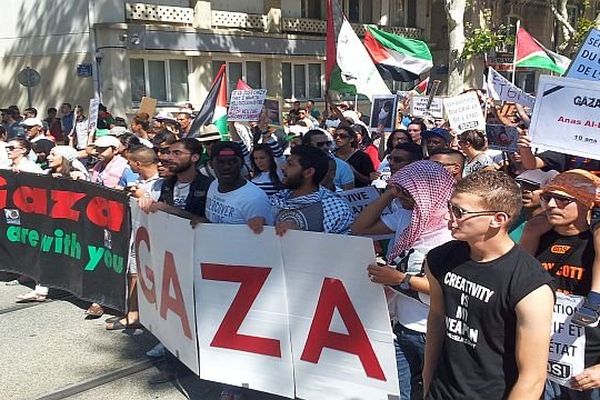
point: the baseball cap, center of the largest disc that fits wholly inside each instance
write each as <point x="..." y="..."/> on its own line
<point x="107" y="141"/>
<point x="439" y="132"/>
<point x="32" y="122"/>
<point x="165" y="116"/>
<point x="536" y="177"/>
<point x="227" y="149"/>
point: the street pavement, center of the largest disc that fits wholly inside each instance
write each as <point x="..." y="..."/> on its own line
<point x="50" y="351"/>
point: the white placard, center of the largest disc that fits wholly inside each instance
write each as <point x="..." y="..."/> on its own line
<point x="241" y="304"/>
<point x="586" y="65"/>
<point x="418" y="106"/>
<point x="93" y="114"/>
<point x="500" y="88"/>
<point x="359" y="199"/>
<point x="567" y="344"/>
<point x="246" y="105"/>
<point x="330" y="299"/>
<point x="165" y="281"/>
<point x="464" y="112"/>
<point x="565" y="118"/>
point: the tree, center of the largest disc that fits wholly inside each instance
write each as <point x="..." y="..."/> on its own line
<point x="455" y="12"/>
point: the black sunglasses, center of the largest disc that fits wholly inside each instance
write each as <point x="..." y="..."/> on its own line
<point x="561" y="201"/>
<point x="459" y="213"/>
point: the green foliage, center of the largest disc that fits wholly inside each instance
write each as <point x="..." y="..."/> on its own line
<point x="480" y="41"/>
<point x="583" y="27"/>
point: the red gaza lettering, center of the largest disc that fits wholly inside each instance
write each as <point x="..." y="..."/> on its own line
<point x="141" y="235"/>
<point x="167" y="302"/>
<point x="334" y="295"/>
<point x="3" y="193"/>
<point x="106" y="213"/>
<point x="64" y="202"/>
<point x="252" y="280"/>
<point x="30" y="200"/>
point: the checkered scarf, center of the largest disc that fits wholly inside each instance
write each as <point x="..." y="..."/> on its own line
<point x="431" y="186"/>
<point x="337" y="215"/>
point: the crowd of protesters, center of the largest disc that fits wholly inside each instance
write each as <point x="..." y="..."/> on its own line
<point x="471" y="310"/>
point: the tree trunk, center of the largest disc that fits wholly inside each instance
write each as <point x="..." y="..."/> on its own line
<point x="455" y="11"/>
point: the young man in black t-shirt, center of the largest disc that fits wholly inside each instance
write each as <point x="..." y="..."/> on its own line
<point x="488" y="329"/>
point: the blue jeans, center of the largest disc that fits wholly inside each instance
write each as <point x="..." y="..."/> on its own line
<point x="553" y="391"/>
<point x="410" y="354"/>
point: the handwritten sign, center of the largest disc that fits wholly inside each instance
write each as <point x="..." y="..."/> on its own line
<point x="585" y="66"/>
<point x="418" y="107"/>
<point x="246" y="105"/>
<point x="565" y="117"/>
<point x="500" y="88"/>
<point x="93" y="119"/>
<point x="567" y="344"/>
<point x="464" y="112"/>
<point x="359" y="199"/>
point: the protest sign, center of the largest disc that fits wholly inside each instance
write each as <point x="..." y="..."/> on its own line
<point x="567" y="344"/>
<point x="383" y="113"/>
<point x="66" y="234"/>
<point x="273" y="110"/>
<point x="295" y="315"/>
<point x="93" y="114"/>
<point x="464" y="112"/>
<point x="418" y="106"/>
<point x="502" y="137"/>
<point x="148" y="106"/>
<point x="246" y="105"/>
<point x="358" y="199"/>
<point x="242" y="321"/>
<point x="166" y="282"/>
<point x="585" y="65"/>
<point x="565" y="117"/>
<point x="500" y="88"/>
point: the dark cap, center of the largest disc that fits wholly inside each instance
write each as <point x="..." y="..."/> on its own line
<point x="439" y="132"/>
<point x="227" y="149"/>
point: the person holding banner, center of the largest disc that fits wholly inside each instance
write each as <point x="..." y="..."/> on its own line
<point x="418" y="193"/>
<point x="18" y="149"/>
<point x="488" y="330"/>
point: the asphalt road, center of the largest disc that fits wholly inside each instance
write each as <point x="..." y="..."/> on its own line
<point x="50" y="351"/>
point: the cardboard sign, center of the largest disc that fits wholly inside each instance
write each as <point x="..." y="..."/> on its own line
<point x="586" y="65"/>
<point x="565" y="117"/>
<point x="273" y="111"/>
<point x="294" y="315"/>
<point x="500" y="88"/>
<point x="383" y="113"/>
<point x="464" y="112"/>
<point x="246" y="105"/>
<point x="567" y="344"/>
<point x="93" y="118"/>
<point x="166" y="282"/>
<point x="502" y="137"/>
<point x="418" y="106"/>
<point x="148" y="106"/>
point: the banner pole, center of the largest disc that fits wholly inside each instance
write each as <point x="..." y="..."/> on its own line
<point x="514" y="68"/>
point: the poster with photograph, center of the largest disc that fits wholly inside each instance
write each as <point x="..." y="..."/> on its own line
<point x="502" y="137"/>
<point x="272" y="108"/>
<point x="383" y="113"/>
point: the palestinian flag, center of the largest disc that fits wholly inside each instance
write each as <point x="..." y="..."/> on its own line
<point x="421" y="88"/>
<point x="214" y="108"/>
<point x="397" y="58"/>
<point x="242" y="85"/>
<point x="349" y="68"/>
<point x="531" y="54"/>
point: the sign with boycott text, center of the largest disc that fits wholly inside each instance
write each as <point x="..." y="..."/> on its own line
<point x="464" y="112"/>
<point x="567" y="344"/>
<point x="246" y="105"/>
<point x="500" y="88"/>
<point x="166" y="282"/>
<point x="565" y="117"/>
<point x="418" y="107"/>
<point x="586" y="64"/>
<point x="294" y="315"/>
<point x="66" y="234"/>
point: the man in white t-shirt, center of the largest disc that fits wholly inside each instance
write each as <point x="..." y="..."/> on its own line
<point x="231" y="199"/>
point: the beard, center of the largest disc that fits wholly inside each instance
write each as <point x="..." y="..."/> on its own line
<point x="178" y="168"/>
<point x="292" y="182"/>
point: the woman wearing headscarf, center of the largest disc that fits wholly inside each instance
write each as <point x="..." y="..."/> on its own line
<point x="63" y="163"/>
<point x="418" y="195"/>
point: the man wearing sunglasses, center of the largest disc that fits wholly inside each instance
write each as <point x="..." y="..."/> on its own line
<point x="567" y="252"/>
<point x="488" y="330"/>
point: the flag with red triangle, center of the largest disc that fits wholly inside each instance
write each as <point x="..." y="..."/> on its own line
<point x="241" y="85"/>
<point x="531" y="54"/>
<point x="421" y="88"/>
<point x="214" y="108"/>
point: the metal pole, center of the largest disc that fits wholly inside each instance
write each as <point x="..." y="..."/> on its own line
<point x="514" y="68"/>
<point x="28" y="87"/>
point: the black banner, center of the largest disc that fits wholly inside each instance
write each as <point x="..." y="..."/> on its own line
<point x="66" y="234"/>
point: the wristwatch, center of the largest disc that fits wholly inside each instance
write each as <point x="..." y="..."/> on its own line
<point x="405" y="284"/>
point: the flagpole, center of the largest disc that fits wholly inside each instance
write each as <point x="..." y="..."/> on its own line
<point x="514" y="69"/>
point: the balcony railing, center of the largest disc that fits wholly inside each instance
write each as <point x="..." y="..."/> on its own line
<point x="237" y="20"/>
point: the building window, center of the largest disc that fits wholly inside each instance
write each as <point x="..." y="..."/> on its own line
<point x="250" y="72"/>
<point x="302" y="81"/>
<point x="164" y="80"/>
<point x="314" y="9"/>
<point x="360" y="11"/>
<point x="403" y="13"/>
